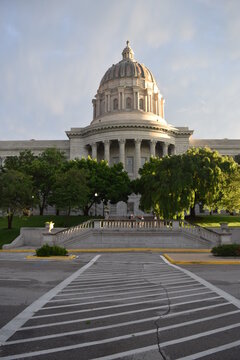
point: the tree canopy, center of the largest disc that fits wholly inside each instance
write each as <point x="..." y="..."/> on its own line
<point x="105" y="183"/>
<point x="15" y="192"/>
<point x="170" y="186"/>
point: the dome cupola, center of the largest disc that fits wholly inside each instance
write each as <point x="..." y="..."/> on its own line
<point x="128" y="87"/>
<point x="128" y="53"/>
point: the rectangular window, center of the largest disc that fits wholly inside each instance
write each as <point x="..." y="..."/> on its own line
<point x="129" y="164"/>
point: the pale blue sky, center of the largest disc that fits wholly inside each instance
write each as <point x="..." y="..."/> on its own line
<point x="53" y="54"/>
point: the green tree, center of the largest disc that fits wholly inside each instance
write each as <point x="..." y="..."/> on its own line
<point x="109" y="183"/>
<point x="44" y="170"/>
<point x="164" y="187"/>
<point x="172" y="185"/>
<point x="21" y="163"/>
<point x="210" y="171"/>
<point x="230" y="199"/>
<point x="15" y="192"/>
<point x="70" y="190"/>
<point x="237" y="159"/>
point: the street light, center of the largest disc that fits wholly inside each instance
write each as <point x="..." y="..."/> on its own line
<point x="95" y="195"/>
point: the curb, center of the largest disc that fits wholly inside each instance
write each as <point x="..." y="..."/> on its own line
<point x="140" y="250"/>
<point x="172" y="250"/>
<point x="199" y="262"/>
<point x="61" y="258"/>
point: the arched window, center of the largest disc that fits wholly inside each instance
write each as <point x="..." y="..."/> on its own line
<point x="115" y="104"/>
<point x="128" y="103"/>
<point x="141" y="104"/>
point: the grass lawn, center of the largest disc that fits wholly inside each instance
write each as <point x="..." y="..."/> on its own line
<point x="215" y="220"/>
<point x="7" y="236"/>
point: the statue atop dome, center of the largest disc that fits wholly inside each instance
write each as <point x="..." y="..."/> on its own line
<point x="128" y="53"/>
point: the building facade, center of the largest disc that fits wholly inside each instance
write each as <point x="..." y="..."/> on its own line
<point x="128" y="125"/>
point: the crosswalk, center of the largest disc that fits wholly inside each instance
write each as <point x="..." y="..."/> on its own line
<point x="126" y="306"/>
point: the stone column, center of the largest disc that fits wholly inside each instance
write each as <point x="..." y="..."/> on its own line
<point x="150" y="103"/>
<point x="165" y="149"/>
<point x="137" y="156"/>
<point x="106" y="103"/>
<point x="109" y="102"/>
<point x="119" y="100"/>
<point x="122" y="151"/>
<point x="94" y="108"/>
<point x="94" y="150"/>
<point x="162" y="108"/>
<point x="146" y="103"/>
<point x="123" y="100"/>
<point x="98" y="107"/>
<point x="137" y="100"/>
<point x="153" y="148"/>
<point x="134" y="100"/>
<point x="107" y="150"/>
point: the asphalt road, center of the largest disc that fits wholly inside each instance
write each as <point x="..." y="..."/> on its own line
<point x="116" y="306"/>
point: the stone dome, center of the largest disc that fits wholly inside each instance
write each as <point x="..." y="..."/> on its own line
<point x="128" y="67"/>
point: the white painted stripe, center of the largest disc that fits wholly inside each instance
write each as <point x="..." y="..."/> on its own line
<point x="199" y="287"/>
<point x="112" y="295"/>
<point x="116" y="314"/>
<point x="14" y="280"/>
<point x="10" y="328"/>
<point x="119" y="276"/>
<point x="141" y="278"/>
<point x="97" y="291"/>
<point x="222" y="293"/>
<point x="123" y="337"/>
<point x="139" y="275"/>
<point x="206" y="291"/>
<point x="186" y="323"/>
<point x="211" y="351"/>
<point x="141" y="282"/>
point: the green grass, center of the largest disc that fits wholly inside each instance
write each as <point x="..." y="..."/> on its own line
<point x="215" y="220"/>
<point x="7" y="236"/>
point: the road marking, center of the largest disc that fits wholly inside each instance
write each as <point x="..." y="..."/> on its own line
<point x="120" y="325"/>
<point x="206" y="291"/>
<point x="127" y="287"/>
<point x="155" y="286"/>
<point x="10" y="328"/>
<point x="211" y="351"/>
<point x="222" y="293"/>
<point x="14" y="280"/>
<point x="199" y="287"/>
<point x="117" y="276"/>
<point x="81" y="285"/>
<point x="116" y="314"/>
<point x="119" y="338"/>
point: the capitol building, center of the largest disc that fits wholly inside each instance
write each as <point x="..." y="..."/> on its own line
<point x="128" y="125"/>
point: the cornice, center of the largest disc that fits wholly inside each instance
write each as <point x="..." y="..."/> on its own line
<point x="92" y="130"/>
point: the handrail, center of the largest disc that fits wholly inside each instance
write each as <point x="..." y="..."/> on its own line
<point x="66" y="234"/>
<point x="135" y="224"/>
<point x="204" y="233"/>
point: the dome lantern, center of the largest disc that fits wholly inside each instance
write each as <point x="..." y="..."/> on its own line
<point x="128" y="53"/>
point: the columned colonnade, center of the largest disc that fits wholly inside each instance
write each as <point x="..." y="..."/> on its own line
<point x="166" y="148"/>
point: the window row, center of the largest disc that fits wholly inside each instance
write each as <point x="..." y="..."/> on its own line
<point x="128" y="104"/>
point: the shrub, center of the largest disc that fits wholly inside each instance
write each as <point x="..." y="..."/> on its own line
<point x="226" y="250"/>
<point x="47" y="250"/>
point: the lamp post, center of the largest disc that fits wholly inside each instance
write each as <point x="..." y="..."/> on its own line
<point x="95" y="196"/>
<point x="32" y="203"/>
